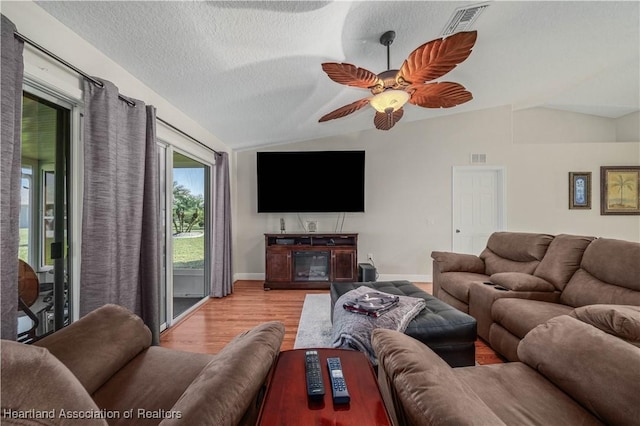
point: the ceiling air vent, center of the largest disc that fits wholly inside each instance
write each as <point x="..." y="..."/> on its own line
<point x="463" y="18"/>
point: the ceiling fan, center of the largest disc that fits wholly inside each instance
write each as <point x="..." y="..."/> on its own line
<point x="391" y="89"/>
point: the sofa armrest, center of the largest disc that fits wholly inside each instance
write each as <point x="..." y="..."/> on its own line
<point x="595" y="368"/>
<point x="482" y="297"/>
<point x="419" y="388"/>
<point x="228" y="390"/>
<point x="622" y="321"/>
<point x="99" y="344"/>
<point x="35" y="381"/>
<point x="518" y="281"/>
<point x="457" y="262"/>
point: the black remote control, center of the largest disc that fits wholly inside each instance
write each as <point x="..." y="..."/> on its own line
<point x="338" y="385"/>
<point x="315" y="384"/>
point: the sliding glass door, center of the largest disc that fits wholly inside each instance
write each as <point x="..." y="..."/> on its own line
<point x="185" y="182"/>
<point x="189" y="227"/>
<point x="43" y="250"/>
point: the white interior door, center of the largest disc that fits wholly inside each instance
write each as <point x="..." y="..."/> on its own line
<point x="478" y="206"/>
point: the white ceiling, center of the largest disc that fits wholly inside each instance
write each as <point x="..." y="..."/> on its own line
<point x="250" y="72"/>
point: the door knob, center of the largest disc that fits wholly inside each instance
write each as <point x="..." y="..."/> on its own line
<point x="457" y="231"/>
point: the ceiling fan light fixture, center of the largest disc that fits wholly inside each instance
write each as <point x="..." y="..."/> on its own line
<point x="389" y="101"/>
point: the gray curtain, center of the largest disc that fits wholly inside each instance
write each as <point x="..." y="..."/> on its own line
<point x="120" y="259"/>
<point x="222" y="279"/>
<point x="10" y="176"/>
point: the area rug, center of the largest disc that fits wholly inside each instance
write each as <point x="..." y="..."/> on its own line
<point x="314" y="328"/>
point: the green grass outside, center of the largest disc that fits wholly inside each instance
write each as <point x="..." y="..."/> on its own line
<point x="188" y="253"/>
<point x="23" y="249"/>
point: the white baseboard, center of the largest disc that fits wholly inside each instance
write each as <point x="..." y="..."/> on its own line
<point x="248" y="276"/>
<point x="400" y="277"/>
<point x="382" y="277"/>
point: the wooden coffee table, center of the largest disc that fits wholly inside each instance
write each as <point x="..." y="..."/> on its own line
<point x="286" y="402"/>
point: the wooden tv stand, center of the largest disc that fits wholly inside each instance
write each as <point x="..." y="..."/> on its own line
<point x="309" y="261"/>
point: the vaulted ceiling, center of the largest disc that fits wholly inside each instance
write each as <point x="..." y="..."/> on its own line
<point x="250" y="72"/>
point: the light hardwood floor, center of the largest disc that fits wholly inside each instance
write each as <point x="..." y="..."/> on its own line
<point x="212" y="325"/>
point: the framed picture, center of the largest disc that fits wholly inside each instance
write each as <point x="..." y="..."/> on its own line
<point x="579" y="190"/>
<point x="620" y="190"/>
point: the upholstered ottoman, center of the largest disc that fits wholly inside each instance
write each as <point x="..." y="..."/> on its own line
<point x="447" y="331"/>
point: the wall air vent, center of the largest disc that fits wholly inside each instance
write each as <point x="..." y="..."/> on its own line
<point x="478" y="158"/>
<point x="463" y="18"/>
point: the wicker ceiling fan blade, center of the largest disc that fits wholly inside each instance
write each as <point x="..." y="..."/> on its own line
<point x="385" y="121"/>
<point x="436" y="58"/>
<point x="440" y="95"/>
<point x="350" y="75"/>
<point x="345" y="110"/>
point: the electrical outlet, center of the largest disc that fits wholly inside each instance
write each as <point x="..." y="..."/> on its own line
<point x="312" y="225"/>
<point x="370" y="257"/>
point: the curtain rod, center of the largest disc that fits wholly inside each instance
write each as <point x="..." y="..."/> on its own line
<point x="186" y="134"/>
<point x="100" y="84"/>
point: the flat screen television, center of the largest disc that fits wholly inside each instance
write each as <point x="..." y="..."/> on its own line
<point x="310" y="181"/>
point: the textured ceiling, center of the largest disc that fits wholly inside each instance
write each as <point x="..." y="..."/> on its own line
<point x="250" y="73"/>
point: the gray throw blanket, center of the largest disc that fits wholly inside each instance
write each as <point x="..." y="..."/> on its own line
<point x="353" y="331"/>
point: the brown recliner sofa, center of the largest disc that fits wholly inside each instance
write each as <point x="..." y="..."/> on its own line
<point x="102" y="370"/>
<point x="505" y="252"/>
<point x="577" y="369"/>
<point x="512" y="296"/>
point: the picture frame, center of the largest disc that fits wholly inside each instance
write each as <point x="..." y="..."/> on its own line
<point x="579" y="190"/>
<point x="620" y="190"/>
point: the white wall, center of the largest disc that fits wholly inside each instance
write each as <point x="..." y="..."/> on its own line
<point x="546" y="125"/>
<point x="628" y="127"/>
<point x="408" y="190"/>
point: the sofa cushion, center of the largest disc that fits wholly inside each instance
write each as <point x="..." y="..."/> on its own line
<point x="503" y="342"/>
<point x="495" y="264"/>
<point x="615" y="262"/>
<point x="457" y="284"/>
<point x="33" y="379"/>
<point x="95" y="348"/>
<point x="142" y="383"/>
<point x="425" y="387"/>
<point x="519" y="316"/>
<point x="618" y="320"/>
<point x="608" y="274"/>
<point x="514" y="252"/>
<point x="562" y="259"/>
<point x="518" y="281"/>
<point x="593" y="367"/>
<point x="228" y="386"/>
<point x="519" y="246"/>
<point x="519" y="395"/>
<point x="585" y="289"/>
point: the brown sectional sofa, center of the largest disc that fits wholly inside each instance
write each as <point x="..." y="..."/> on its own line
<point x="577" y="369"/>
<point x="103" y="363"/>
<point x="522" y="280"/>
